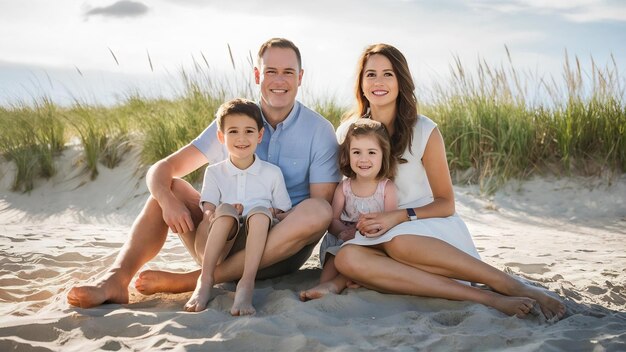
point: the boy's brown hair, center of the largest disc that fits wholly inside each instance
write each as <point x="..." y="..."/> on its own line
<point x="239" y="106"/>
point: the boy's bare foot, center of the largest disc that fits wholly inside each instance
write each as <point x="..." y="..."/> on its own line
<point x="200" y="297"/>
<point x="157" y="281"/>
<point x="243" y="299"/>
<point x="108" y="290"/>
<point x="319" y="291"/>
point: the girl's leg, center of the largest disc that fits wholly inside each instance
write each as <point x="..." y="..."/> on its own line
<point x="331" y="281"/>
<point x="213" y="251"/>
<point x="258" y="227"/>
<point x="373" y="269"/>
<point x="438" y="257"/>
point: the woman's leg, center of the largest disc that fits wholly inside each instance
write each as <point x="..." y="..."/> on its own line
<point x="438" y="257"/>
<point x="373" y="269"/>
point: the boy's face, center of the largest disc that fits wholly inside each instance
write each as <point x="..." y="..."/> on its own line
<point x="279" y="77"/>
<point x="240" y="135"/>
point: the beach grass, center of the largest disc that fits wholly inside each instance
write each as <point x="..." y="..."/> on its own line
<point x="497" y="123"/>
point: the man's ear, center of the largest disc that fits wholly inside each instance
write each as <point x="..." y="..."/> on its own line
<point x="300" y="74"/>
<point x="261" y="134"/>
<point x="220" y="136"/>
<point x="257" y="75"/>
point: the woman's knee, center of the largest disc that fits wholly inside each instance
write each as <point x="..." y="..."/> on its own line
<point x="348" y="259"/>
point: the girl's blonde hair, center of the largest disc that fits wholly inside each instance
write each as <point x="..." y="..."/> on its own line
<point x="368" y="127"/>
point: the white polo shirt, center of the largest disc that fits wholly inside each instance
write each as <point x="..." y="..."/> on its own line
<point x="261" y="184"/>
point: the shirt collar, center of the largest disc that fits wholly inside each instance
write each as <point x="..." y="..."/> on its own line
<point x="253" y="169"/>
<point x="291" y="118"/>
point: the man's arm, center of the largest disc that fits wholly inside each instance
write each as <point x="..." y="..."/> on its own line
<point x="159" y="180"/>
<point x="323" y="190"/>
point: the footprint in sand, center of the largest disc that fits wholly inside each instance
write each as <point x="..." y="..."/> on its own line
<point x="540" y="268"/>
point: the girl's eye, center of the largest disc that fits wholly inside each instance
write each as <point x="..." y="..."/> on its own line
<point x="388" y="74"/>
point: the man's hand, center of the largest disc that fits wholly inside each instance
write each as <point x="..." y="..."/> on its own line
<point x="177" y="217"/>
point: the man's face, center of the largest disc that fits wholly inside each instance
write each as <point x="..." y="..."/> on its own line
<point x="279" y="77"/>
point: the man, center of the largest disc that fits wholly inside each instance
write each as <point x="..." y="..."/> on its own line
<point x="298" y="140"/>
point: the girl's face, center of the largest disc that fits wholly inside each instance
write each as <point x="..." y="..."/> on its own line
<point x="379" y="81"/>
<point x="366" y="156"/>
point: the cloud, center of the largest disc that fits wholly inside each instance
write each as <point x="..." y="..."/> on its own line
<point x="571" y="10"/>
<point x="122" y="8"/>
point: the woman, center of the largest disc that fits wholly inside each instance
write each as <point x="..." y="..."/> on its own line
<point x="423" y="248"/>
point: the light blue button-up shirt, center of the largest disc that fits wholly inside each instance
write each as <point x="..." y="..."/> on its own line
<point x="304" y="146"/>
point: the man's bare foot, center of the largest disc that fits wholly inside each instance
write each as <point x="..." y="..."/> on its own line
<point x="157" y="281"/>
<point x="243" y="299"/>
<point x="200" y="297"/>
<point x="109" y="289"/>
<point x="319" y="291"/>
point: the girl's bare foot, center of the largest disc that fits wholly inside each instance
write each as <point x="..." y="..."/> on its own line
<point x="319" y="291"/>
<point x="109" y="289"/>
<point x="243" y="299"/>
<point x="200" y="297"/>
<point x="156" y="281"/>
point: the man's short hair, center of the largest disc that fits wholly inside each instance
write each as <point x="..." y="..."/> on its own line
<point x="279" y="43"/>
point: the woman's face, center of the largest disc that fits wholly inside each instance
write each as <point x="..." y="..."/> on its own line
<point x="379" y="81"/>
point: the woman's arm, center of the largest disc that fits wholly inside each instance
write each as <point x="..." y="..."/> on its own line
<point x="436" y="166"/>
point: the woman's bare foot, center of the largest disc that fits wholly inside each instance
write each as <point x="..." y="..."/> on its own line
<point x="319" y="291"/>
<point x="243" y="299"/>
<point x="156" y="281"/>
<point x="109" y="289"/>
<point x="200" y="297"/>
<point x="518" y="306"/>
<point x="551" y="307"/>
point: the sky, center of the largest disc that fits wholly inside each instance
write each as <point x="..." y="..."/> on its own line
<point x="101" y="51"/>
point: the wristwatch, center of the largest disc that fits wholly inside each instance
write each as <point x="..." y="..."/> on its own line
<point x="411" y="214"/>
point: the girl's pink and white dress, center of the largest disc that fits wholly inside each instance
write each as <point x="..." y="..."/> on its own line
<point x="414" y="191"/>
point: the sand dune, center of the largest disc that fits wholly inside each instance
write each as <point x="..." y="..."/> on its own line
<point x="567" y="235"/>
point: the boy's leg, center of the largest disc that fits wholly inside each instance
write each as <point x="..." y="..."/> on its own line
<point x="257" y="225"/>
<point x="289" y="245"/>
<point x="224" y="226"/>
<point x="146" y="239"/>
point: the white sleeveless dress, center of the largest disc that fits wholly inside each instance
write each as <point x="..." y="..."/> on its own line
<point x="414" y="191"/>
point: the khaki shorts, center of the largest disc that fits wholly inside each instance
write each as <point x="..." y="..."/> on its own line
<point x="239" y="235"/>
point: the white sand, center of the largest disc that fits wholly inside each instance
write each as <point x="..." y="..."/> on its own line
<point x="568" y="235"/>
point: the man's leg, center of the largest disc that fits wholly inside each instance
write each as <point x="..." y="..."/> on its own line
<point x="146" y="239"/>
<point x="289" y="245"/>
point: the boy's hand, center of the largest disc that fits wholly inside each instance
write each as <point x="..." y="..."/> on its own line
<point x="239" y="208"/>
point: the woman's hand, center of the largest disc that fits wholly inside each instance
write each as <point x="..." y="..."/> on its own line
<point x="376" y="224"/>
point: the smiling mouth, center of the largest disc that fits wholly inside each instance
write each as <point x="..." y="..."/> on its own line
<point x="380" y="92"/>
<point x="278" y="91"/>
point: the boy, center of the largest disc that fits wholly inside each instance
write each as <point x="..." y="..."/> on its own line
<point x="240" y="187"/>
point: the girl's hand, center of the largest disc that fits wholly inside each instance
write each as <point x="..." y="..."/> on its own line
<point x="347" y="234"/>
<point x="376" y="224"/>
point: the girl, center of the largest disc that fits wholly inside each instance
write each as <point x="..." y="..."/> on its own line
<point x="364" y="158"/>
<point x="424" y="247"/>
